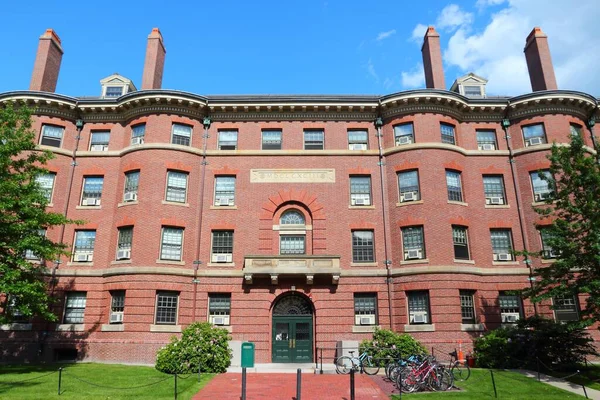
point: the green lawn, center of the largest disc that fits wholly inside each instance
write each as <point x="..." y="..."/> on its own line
<point x="41" y="382"/>
<point x="588" y="375"/>
<point x="509" y="385"/>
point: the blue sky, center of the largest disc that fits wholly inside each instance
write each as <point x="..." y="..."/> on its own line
<point x="307" y="47"/>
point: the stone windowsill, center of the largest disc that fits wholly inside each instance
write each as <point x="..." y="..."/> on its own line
<point x="364" y="328"/>
<point x="211" y="264"/>
<point x="505" y="263"/>
<point x="129" y="203"/>
<point x="213" y="207"/>
<point x="497" y="206"/>
<point x="113" y="328"/>
<point x="409" y="203"/>
<point x="172" y="262"/>
<point x="88" y="207"/>
<point x="548" y="260"/>
<point x="119" y="262"/>
<point x="165" y="328"/>
<point x="226" y="327"/>
<point x="365" y="264"/>
<point x="420" y="328"/>
<point x="175" y="203"/>
<point x="472" y="327"/>
<point x="50" y="205"/>
<point x="458" y="203"/>
<point x="361" y="207"/>
<point x="464" y="261"/>
<point x="16" y="326"/>
<point x="80" y="264"/>
<point x="541" y="203"/>
<point x="70" y="327"/>
<point x="419" y="261"/>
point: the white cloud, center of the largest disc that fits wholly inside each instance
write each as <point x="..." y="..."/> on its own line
<point x="385" y="35"/>
<point x="414" y="78"/>
<point x="418" y="33"/>
<point x="452" y="17"/>
<point x="488" y="3"/>
<point x="371" y="71"/>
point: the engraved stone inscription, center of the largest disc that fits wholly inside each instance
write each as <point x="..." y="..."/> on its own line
<point x="292" y="175"/>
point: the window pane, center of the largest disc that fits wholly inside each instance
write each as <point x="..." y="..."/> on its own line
<point x="403" y="130"/>
<point x="292" y="244"/>
<point x="486" y="137"/>
<point x="412" y="238"/>
<point x="292" y="217"/>
<point x="461" y="246"/>
<point x="125" y="238"/>
<point x="447" y="134"/>
<point x="74" y="307"/>
<point x="117" y="301"/>
<point x="100" y="137"/>
<point x="532" y="131"/>
<point x="360" y="185"/>
<point x="409" y="182"/>
<point x="176" y="186"/>
<point x="542" y="187"/>
<point x="166" y="308"/>
<point x="362" y="246"/>
<point x="53" y="131"/>
<point x="576" y="130"/>
<point x="501" y="241"/>
<point x="467" y="306"/>
<point x="222" y="242"/>
<point x="418" y="307"/>
<point x="85" y="240"/>
<point x="46" y="184"/>
<point x="357" y="136"/>
<point x="171" y="244"/>
<point x="138" y="130"/>
<point x="454" y="186"/>
<point x="225" y="189"/>
<point x="92" y="187"/>
<point x="132" y="180"/>
<point x="114" y="91"/>
<point x="219" y="303"/>
<point x="228" y="140"/>
<point x="365" y="303"/>
<point x="493" y="186"/>
<point x="313" y="140"/>
<point x="271" y="140"/>
<point x="182" y="134"/>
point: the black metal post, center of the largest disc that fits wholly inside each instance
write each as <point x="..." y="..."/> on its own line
<point x="432" y="351"/>
<point x="584" y="391"/>
<point x="199" y="368"/>
<point x="59" y="379"/>
<point x="352" y="395"/>
<point x="494" y="383"/>
<point x="321" y="356"/>
<point x="299" y="384"/>
<point x="176" y="386"/>
<point x="244" y="383"/>
<point x="538" y="367"/>
<point x="316" y="359"/>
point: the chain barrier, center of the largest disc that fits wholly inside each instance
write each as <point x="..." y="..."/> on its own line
<point x="114" y="387"/>
<point x="28" y="379"/>
<point x="181" y="376"/>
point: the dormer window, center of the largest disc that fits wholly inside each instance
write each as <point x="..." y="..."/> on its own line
<point x="470" y="85"/>
<point x="114" y="91"/>
<point x="472" y="91"/>
<point x="116" y="86"/>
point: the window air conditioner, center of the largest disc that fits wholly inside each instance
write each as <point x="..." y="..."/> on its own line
<point x="130" y="196"/>
<point x="413" y="254"/>
<point x="221" y="258"/>
<point x="82" y="257"/>
<point x="116" y="317"/>
<point x="487" y="147"/>
<point x="503" y="257"/>
<point x="99" y="147"/>
<point x="552" y="254"/>
<point x="124" y="254"/>
<point x="91" y="202"/>
<point x="535" y="141"/>
<point x="403" y="140"/>
<point x="224" y="201"/>
<point x="367" y="320"/>
<point x="219" y="319"/>
<point x="543" y="196"/>
<point x="361" y="201"/>
<point x="494" y="200"/>
<point x="419" y="318"/>
<point x="510" y="318"/>
<point x="408" y="196"/>
<point x="357" y="146"/>
<point x="137" y="140"/>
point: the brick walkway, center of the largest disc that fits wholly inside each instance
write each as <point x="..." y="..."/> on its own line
<point x="283" y="387"/>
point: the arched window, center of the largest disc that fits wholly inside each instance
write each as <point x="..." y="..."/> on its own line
<point x="292" y="217"/>
<point x="292" y="234"/>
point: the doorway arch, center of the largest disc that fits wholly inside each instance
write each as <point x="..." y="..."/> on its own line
<point x="292" y="329"/>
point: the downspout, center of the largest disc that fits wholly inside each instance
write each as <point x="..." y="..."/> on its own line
<point x="206" y="122"/>
<point x="511" y="161"/>
<point x="590" y="124"/>
<point x="387" y="261"/>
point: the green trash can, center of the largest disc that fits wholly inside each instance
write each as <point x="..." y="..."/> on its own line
<point x="247" y="355"/>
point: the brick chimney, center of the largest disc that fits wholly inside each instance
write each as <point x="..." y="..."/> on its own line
<point x="155" y="61"/>
<point x="432" y="60"/>
<point x="539" y="62"/>
<point x="47" y="63"/>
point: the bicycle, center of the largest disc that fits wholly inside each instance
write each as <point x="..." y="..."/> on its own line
<point x="459" y="370"/>
<point x="428" y="374"/>
<point x="363" y="363"/>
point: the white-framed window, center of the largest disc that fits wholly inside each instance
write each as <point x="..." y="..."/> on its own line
<point x="83" y="248"/>
<point x="46" y="184"/>
<point x="576" y="130"/>
<point x="404" y="134"/>
<point x="228" y="139"/>
<point x="271" y="139"/>
<point x="467" y="306"/>
<point x="117" y="306"/>
<point x="292" y="244"/>
<point x="12" y="310"/>
<point x="360" y="190"/>
<point x="30" y="254"/>
<point x="454" y="185"/>
<point x="542" y="184"/>
<point x="486" y="139"/>
<point x="176" y="186"/>
<point x="92" y="190"/>
<point x="314" y="139"/>
<point x="534" y="134"/>
<point x="413" y="243"/>
<point x="132" y="181"/>
<point x="51" y="135"/>
<point x="418" y="307"/>
<point x="473" y="91"/>
<point x="408" y="185"/>
<point x="363" y="247"/>
<point x="113" y="91"/>
<point x="358" y="139"/>
<point x="502" y="244"/>
<point x="138" y="132"/>
<point x="224" y="190"/>
<point x="124" y="243"/>
<point x="292" y="233"/>
<point x="566" y="308"/>
<point x="166" y="307"/>
<point x="99" y="140"/>
<point x="222" y="246"/>
<point x="547" y="251"/>
<point x="365" y="308"/>
<point x="219" y="308"/>
<point x="181" y="134"/>
<point x="493" y="188"/>
<point x="511" y="308"/>
<point x="171" y="243"/>
<point x="460" y="240"/>
<point x="448" y="133"/>
<point x="74" y="307"/>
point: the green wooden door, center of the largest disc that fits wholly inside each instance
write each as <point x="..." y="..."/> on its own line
<point x="292" y="339"/>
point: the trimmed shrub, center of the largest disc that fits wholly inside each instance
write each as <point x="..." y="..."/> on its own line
<point x="200" y="343"/>
<point x="389" y="344"/>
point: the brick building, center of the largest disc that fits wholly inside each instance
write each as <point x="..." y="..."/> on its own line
<point x="295" y="222"/>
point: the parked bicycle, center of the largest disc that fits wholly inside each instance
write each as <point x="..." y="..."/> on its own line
<point x="458" y="368"/>
<point x="363" y="363"/>
<point x="429" y="374"/>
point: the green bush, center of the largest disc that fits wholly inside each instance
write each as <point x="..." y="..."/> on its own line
<point x="556" y="345"/>
<point x="200" y="343"/>
<point x="389" y="344"/>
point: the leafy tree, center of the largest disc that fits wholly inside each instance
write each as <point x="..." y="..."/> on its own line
<point x="574" y="234"/>
<point x="22" y="215"/>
